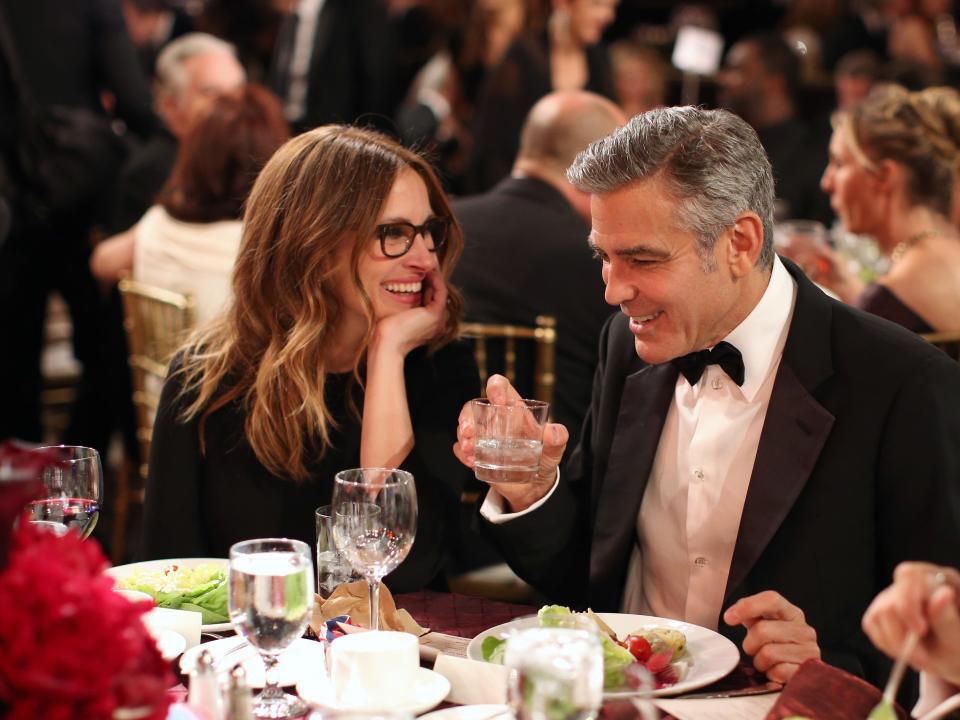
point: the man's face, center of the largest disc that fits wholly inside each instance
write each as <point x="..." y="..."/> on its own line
<point x="653" y="271"/>
<point x="741" y="80"/>
<point x="208" y="75"/>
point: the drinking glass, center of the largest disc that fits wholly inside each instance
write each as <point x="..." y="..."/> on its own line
<point x="333" y="568"/>
<point x="270" y="597"/>
<point x="556" y="671"/>
<point x="375" y="521"/>
<point x="509" y="440"/>
<point x="72" y="491"/>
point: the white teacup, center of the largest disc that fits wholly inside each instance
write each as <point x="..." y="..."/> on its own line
<point x="372" y="670"/>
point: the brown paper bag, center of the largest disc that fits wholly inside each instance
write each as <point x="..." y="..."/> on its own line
<point x="353" y="599"/>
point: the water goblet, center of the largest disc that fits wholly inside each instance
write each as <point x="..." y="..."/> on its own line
<point x="333" y="569"/>
<point x="72" y="479"/>
<point x="375" y="521"/>
<point x="556" y="670"/>
<point x="270" y="596"/>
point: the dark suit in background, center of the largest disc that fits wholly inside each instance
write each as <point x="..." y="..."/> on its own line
<point x="69" y="53"/>
<point x="526" y="254"/>
<point x="351" y="65"/>
<point x="858" y="469"/>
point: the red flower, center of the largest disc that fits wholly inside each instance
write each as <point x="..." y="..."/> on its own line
<point x="70" y="647"/>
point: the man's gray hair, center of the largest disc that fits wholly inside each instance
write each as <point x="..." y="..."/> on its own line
<point x="711" y="161"/>
<point x="171" y="76"/>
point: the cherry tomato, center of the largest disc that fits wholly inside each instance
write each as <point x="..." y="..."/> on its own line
<point x="638" y="647"/>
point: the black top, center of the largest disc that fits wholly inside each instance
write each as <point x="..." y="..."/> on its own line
<point x="199" y="505"/>
<point x="798" y="156"/>
<point x="509" y="91"/>
<point x="881" y="300"/>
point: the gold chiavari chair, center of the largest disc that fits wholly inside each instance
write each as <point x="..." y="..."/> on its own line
<point x="157" y="321"/>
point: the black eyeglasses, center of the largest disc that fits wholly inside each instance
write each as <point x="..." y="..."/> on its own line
<point x="396" y="238"/>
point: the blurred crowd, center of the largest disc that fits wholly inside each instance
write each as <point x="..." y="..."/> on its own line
<point x="195" y="96"/>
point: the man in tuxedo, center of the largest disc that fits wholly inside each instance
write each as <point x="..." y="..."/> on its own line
<point x="536" y="216"/>
<point x="757" y="457"/>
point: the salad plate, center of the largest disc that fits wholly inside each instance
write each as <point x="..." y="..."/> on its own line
<point x="301" y="660"/>
<point x="710" y="656"/>
<point x="174" y="581"/>
<point x="428" y="691"/>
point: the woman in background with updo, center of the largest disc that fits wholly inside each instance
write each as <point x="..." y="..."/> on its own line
<point x="892" y="170"/>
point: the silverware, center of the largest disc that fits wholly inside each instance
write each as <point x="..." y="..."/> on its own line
<point x="765" y="689"/>
<point x="243" y="644"/>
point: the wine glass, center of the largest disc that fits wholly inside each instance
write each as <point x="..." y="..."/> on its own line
<point x="375" y="521"/>
<point x="270" y="597"/>
<point x="72" y="478"/>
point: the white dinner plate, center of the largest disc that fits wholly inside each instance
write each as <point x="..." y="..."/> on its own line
<point x="470" y="712"/>
<point x="428" y="691"/>
<point x="302" y="660"/>
<point x="121" y="572"/>
<point x="711" y="655"/>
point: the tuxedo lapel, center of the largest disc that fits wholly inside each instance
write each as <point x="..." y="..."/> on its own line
<point x="645" y="401"/>
<point x="794" y="431"/>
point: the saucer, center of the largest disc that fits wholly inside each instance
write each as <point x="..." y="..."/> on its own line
<point x="301" y="660"/>
<point x="471" y="712"/>
<point x="429" y="691"/>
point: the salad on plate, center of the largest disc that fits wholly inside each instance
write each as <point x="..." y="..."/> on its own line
<point x="200" y="588"/>
<point x="660" y="651"/>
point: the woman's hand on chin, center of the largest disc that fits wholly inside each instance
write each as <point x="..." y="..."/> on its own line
<point x="408" y="329"/>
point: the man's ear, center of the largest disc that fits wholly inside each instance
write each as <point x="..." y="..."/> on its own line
<point x="744" y="243"/>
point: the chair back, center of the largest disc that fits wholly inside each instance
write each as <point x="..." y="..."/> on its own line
<point x="495" y="348"/>
<point x="949" y="342"/>
<point x="157" y="321"/>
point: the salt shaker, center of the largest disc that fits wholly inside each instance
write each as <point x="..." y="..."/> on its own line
<point x="239" y="696"/>
<point x="204" y="696"/>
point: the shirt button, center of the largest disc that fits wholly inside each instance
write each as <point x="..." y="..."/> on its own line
<point x="717" y="383"/>
<point x="700" y="562"/>
<point x="698" y="474"/>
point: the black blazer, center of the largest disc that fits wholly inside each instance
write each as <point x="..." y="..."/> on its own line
<point x="351" y="67"/>
<point x="526" y="254"/>
<point x="858" y="469"/>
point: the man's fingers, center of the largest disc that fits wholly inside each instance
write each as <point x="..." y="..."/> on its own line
<point x="501" y="392"/>
<point x="768" y="605"/>
<point x="770" y="632"/>
<point x="769" y="656"/>
<point x="782" y="673"/>
<point x="555" y="438"/>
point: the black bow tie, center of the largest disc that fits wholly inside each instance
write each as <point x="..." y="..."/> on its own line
<point x="723" y="354"/>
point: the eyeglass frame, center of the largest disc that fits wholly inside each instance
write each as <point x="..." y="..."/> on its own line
<point x="421" y="230"/>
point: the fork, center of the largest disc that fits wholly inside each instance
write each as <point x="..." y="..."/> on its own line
<point x="884" y="709"/>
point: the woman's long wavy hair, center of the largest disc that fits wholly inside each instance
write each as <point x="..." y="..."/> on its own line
<point x="269" y="351"/>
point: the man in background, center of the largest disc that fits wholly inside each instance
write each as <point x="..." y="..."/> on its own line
<point x="525" y="252"/>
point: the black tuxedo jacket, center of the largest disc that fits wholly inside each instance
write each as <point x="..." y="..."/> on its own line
<point x="858" y="468"/>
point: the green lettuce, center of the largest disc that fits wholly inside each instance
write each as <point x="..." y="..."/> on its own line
<point x="201" y="589"/>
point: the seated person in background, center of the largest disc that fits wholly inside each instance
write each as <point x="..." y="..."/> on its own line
<point x="538" y="220"/>
<point x="893" y="160"/>
<point x="335" y="353"/>
<point x="756" y="455"/>
<point x="639" y="76"/>
<point x="188" y="241"/>
<point x="922" y="599"/>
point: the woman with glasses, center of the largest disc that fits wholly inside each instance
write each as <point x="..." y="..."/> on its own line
<point x="337" y="352"/>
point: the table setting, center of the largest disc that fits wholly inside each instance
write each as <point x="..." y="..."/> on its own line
<point x="282" y="630"/>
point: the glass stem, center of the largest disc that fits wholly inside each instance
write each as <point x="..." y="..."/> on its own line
<point x="271" y="688"/>
<point x="374" y="587"/>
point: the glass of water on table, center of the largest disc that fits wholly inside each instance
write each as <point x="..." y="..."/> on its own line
<point x="333" y="568"/>
<point x="509" y="440"/>
<point x="270" y="597"/>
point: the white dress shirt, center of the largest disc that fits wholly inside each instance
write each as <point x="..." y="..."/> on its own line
<point x="690" y="514"/>
<point x="308" y="13"/>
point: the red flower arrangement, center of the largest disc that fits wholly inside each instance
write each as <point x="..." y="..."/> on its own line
<point x="70" y="647"/>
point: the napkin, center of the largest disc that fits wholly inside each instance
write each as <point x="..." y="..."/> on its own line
<point x="353" y="599"/>
<point x="473" y="682"/>
<point x="823" y="692"/>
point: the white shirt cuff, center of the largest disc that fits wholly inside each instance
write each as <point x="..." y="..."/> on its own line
<point x="492" y="509"/>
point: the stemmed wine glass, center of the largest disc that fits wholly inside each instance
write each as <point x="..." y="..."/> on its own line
<point x="375" y="521"/>
<point x="270" y="597"/>
<point x="72" y="480"/>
